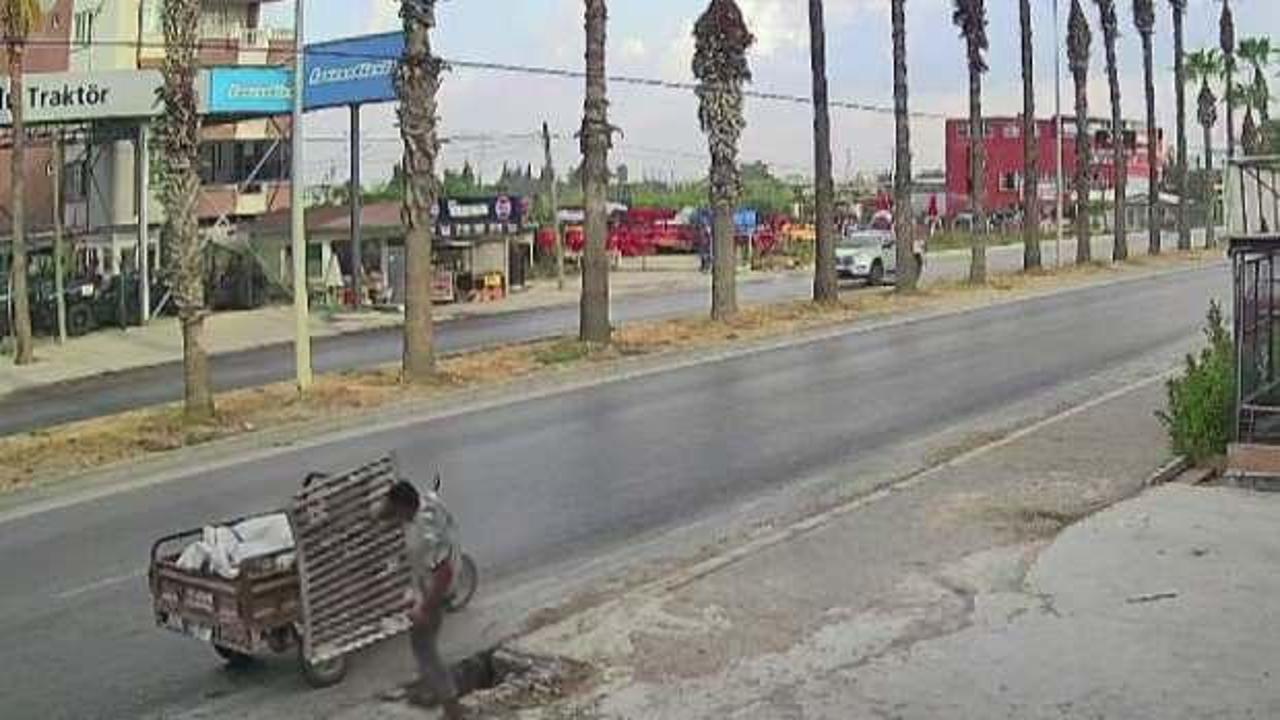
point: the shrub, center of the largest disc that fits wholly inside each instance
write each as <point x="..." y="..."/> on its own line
<point x="1201" y="408"/>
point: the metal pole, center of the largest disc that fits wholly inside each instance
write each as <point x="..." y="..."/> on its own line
<point x="357" y="202"/>
<point x="302" y="330"/>
<point x="555" y="206"/>
<point x="143" y="184"/>
<point x="1057" y="112"/>
<point x="59" y="264"/>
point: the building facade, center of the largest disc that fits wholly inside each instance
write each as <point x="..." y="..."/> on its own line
<point x="245" y="164"/>
<point x="1005" y="167"/>
<point x="46" y="54"/>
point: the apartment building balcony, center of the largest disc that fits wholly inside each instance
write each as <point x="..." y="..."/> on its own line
<point x="230" y="35"/>
<point x="245" y="46"/>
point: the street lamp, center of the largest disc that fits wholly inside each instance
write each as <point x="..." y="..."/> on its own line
<point x="298" y="226"/>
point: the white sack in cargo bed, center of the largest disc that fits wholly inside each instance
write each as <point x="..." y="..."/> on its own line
<point x="221" y="549"/>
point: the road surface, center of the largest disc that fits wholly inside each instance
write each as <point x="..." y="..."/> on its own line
<point x="541" y="482"/>
<point x="127" y="390"/>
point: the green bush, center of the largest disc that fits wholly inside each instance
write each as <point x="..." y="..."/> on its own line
<point x="1202" y="401"/>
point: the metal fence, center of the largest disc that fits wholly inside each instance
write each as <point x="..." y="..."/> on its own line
<point x="1252" y="214"/>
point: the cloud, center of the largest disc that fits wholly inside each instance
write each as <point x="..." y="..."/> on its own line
<point x="781" y="25"/>
<point x="634" y="49"/>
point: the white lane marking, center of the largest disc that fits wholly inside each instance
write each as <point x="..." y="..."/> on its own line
<point x="814" y="522"/>
<point x="101" y="584"/>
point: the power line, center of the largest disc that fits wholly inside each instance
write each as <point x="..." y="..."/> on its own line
<point x="520" y="69"/>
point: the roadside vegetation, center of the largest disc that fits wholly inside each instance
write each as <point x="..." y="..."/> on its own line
<point x="342" y="398"/>
<point x="1201" y="400"/>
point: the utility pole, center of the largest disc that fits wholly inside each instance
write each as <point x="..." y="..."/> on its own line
<point x="1057" y="121"/>
<point x="59" y="267"/>
<point x="302" y="329"/>
<point x="555" y="206"/>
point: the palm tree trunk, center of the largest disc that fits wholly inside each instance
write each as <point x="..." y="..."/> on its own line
<point x="724" y="295"/>
<point x="977" y="179"/>
<point x="1153" y="167"/>
<point x="419" y="81"/>
<point x="908" y="274"/>
<point x="24" y="352"/>
<point x="594" y="321"/>
<point x="1119" y="162"/>
<point x="180" y="135"/>
<point x="1030" y="147"/>
<point x="1210" y="201"/>
<point x="1084" y="235"/>
<point x="825" y="288"/>
<point x="1229" y="98"/>
<point x="1180" y="101"/>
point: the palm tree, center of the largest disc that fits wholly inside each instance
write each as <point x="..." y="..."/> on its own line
<point x="179" y="136"/>
<point x="1180" y="102"/>
<point x="18" y="18"/>
<point x="1250" y="131"/>
<point x="720" y="64"/>
<point x="1120" y="163"/>
<point x="824" y="268"/>
<point x="1257" y="51"/>
<point x="1227" y="44"/>
<point x="1030" y="146"/>
<point x="971" y="17"/>
<point x="596" y="139"/>
<point x="1144" y="20"/>
<point x="1079" y="40"/>
<point x="1203" y="66"/>
<point x="908" y="274"/>
<point x="417" y="81"/>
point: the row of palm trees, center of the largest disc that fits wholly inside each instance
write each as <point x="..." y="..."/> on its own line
<point x="720" y="64"/>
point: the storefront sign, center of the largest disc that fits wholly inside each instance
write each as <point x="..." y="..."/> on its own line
<point x="250" y="91"/>
<point x="500" y="210"/>
<point x="353" y="71"/>
<point x="75" y="97"/>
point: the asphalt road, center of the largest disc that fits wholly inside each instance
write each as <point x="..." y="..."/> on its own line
<point x="41" y="407"/>
<point x="540" y="482"/>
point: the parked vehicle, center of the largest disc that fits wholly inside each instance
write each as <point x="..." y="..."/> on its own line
<point x="869" y="255"/>
<point x="82" y="300"/>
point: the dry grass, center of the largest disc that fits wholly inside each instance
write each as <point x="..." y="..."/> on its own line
<point x="77" y="447"/>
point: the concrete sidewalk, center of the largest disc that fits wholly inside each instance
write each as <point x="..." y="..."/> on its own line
<point x="955" y="594"/>
<point x="111" y="350"/>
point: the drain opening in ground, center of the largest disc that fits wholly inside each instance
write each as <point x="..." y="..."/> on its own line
<point x="511" y="679"/>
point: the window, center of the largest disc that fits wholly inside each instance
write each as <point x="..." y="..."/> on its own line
<point x="1011" y="181"/>
<point x="1012" y="131"/>
<point x="83" y="24"/>
<point x="151" y="17"/>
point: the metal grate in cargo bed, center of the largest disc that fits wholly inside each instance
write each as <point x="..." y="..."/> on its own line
<point x="355" y="582"/>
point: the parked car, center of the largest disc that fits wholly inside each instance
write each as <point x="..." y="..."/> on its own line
<point x="869" y="255"/>
<point x="90" y="305"/>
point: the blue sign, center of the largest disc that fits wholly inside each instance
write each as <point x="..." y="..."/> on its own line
<point x="250" y="91"/>
<point x="353" y="71"/>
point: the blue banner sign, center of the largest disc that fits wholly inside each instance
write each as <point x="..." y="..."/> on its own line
<point x="352" y="71"/>
<point x="250" y="91"/>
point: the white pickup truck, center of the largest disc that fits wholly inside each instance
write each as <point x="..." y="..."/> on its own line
<point x="869" y="255"/>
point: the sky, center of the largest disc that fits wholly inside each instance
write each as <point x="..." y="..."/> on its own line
<point x="652" y="38"/>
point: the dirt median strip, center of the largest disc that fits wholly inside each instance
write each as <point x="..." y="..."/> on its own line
<point x="55" y="453"/>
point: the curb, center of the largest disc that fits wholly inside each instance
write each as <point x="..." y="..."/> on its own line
<point x="1169" y="472"/>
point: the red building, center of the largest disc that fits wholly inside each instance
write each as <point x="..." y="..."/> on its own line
<point x="1004" y="161"/>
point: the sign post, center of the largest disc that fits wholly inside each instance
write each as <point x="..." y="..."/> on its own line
<point x="357" y="203"/>
<point x="143" y="194"/>
<point x="302" y="321"/>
